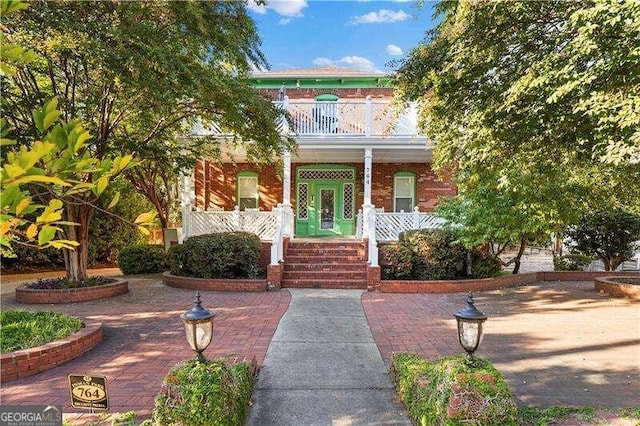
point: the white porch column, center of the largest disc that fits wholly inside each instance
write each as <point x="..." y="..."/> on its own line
<point x="286" y="184"/>
<point x="368" y="156"/>
<point x="367" y="207"/>
<point x="186" y="203"/>
<point x="286" y="195"/>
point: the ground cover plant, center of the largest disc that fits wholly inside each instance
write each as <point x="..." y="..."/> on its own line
<point x="22" y="329"/>
<point x="205" y="393"/>
<point x="219" y="255"/>
<point x="570" y="262"/>
<point x="142" y="259"/>
<point x="449" y="391"/>
<point x="64" y="283"/>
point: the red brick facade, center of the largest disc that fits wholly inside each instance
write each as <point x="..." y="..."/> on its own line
<point x="215" y="184"/>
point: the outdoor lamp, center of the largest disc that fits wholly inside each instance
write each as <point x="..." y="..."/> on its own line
<point x="470" y="322"/>
<point x="198" y="324"/>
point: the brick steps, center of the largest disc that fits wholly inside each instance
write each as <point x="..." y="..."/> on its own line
<point x="325" y="265"/>
<point x="326" y="284"/>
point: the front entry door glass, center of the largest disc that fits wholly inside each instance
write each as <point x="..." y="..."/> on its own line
<point x="327" y="209"/>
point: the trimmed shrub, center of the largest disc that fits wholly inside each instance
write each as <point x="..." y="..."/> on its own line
<point x="611" y="235"/>
<point x="142" y="259"/>
<point x="220" y="255"/>
<point x="570" y="262"/>
<point x="395" y="262"/>
<point x="28" y="258"/>
<point x="448" y="391"/>
<point x="436" y="254"/>
<point x="484" y="264"/>
<point x="212" y="393"/>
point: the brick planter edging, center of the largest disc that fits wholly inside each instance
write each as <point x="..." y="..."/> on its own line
<point x="480" y="284"/>
<point x="71" y="295"/>
<point x="213" y="284"/>
<point x="27" y="362"/>
<point x="605" y="284"/>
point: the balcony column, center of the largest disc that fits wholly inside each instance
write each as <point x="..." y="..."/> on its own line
<point x="367" y="117"/>
<point x="286" y="195"/>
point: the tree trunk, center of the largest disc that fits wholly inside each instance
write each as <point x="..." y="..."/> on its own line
<point x="523" y="244"/>
<point x="607" y="264"/>
<point x="77" y="261"/>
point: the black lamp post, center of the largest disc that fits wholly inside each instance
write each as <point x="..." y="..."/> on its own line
<point x="470" y="321"/>
<point x="198" y="325"/>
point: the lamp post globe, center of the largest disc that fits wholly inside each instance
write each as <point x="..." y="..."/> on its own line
<point x="198" y="326"/>
<point x="470" y="324"/>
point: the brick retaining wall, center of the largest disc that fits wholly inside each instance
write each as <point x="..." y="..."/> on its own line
<point x="214" y="284"/>
<point x="27" y="362"/>
<point x="71" y="295"/>
<point x="461" y="286"/>
<point x="613" y="288"/>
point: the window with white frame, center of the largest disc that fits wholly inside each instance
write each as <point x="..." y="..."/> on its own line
<point x="404" y="188"/>
<point x="247" y="191"/>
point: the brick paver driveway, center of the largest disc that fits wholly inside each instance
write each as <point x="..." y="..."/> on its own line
<point x="144" y="338"/>
<point x="555" y="343"/>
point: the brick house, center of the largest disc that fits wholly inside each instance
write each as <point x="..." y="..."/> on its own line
<point x="361" y="171"/>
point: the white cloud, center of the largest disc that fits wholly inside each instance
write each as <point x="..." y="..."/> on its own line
<point x="261" y="9"/>
<point x="284" y="21"/>
<point x="353" y="62"/>
<point x="393" y="50"/>
<point x="381" y="16"/>
<point x="291" y="8"/>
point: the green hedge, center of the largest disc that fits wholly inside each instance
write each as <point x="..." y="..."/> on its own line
<point x="435" y="254"/>
<point x="570" y="262"/>
<point x="447" y="391"/>
<point x="142" y="259"/>
<point x="212" y="393"/>
<point x="220" y="255"/>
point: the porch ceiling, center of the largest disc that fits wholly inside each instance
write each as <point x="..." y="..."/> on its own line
<point x="315" y="150"/>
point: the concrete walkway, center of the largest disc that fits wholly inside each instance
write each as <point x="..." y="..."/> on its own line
<point x="323" y="367"/>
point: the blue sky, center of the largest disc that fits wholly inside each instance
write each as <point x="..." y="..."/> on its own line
<point x="356" y="34"/>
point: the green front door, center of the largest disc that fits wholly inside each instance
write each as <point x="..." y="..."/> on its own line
<point x="328" y="204"/>
<point x="325" y="200"/>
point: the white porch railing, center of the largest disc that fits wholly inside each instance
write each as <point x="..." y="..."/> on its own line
<point x="284" y="226"/>
<point x="263" y="224"/>
<point x="388" y="226"/>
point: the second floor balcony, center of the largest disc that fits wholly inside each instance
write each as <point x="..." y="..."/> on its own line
<point x="366" y="118"/>
<point x="349" y="118"/>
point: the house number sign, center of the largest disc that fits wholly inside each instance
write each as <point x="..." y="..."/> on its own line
<point x="88" y="391"/>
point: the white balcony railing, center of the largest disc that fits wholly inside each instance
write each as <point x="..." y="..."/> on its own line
<point x="366" y="118"/>
<point x="350" y="118"/>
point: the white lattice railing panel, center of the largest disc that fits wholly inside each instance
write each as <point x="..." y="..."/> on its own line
<point x="209" y="222"/>
<point x="389" y="226"/>
<point x="429" y="221"/>
<point x="263" y="224"/>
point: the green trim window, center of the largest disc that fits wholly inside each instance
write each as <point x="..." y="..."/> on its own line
<point x="247" y="186"/>
<point x="404" y="191"/>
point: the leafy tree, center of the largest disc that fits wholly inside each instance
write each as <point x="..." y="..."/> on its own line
<point x="611" y="235"/>
<point x="141" y="73"/>
<point x="56" y="168"/>
<point x="533" y="105"/>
